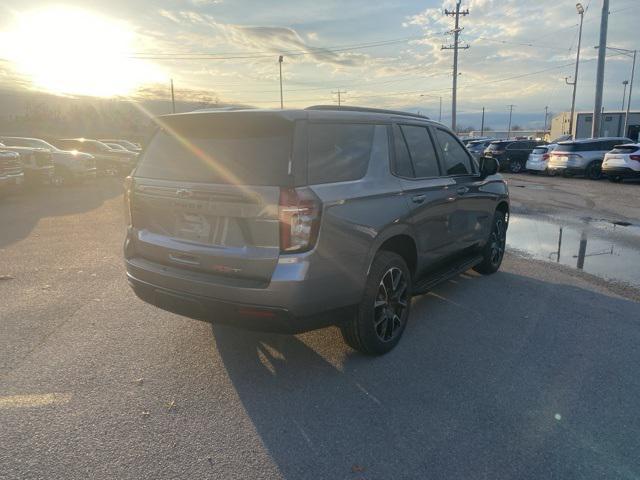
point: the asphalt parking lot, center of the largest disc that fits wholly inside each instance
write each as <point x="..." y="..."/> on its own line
<point x="529" y="373"/>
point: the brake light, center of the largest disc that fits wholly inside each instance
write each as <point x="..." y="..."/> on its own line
<point x="128" y="199"/>
<point x="299" y="212"/>
<point x="635" y="157"/>
<point x="545" y="156"/>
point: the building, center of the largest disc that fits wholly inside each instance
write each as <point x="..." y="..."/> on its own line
<point x="513" y="134"/>
<point x="612" y="124"/>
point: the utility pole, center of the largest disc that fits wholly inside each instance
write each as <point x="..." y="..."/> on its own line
<point x="455" y="47"/>
<point x="546" y="114"/>
<point x="602" y="54"/>
<point x="339" y="93"/>
<point x="581" y="11"/>
<point x="482" y="124"/>
<point x="173" y="99"/>
<point x="510" y="115"/>
<point x="440" y="111"/>
<point x="280" y="59"/>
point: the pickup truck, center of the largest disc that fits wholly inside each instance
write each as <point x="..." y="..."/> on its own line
<point x="36" y="162"/>
<point x="70" y="166"/>
<point x="11" y="172"/>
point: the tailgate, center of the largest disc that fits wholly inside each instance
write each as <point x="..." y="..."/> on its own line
<point x="219" y="229"/>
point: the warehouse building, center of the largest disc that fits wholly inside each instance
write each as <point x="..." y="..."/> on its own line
<point x="612" y="125"/>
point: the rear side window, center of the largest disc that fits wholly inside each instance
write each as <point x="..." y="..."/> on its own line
<point x="421" y="150"/>
<point x="339" y="152"/>
<point x="403" y="165"/>
<point x="233" y="148"/>
<point x="455" y="158"/>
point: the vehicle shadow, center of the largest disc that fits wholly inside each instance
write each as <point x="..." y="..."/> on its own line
<point x="532" y="380"/>
<point x="21" y="211"/>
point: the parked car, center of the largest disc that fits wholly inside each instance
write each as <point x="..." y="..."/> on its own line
<point x="538" y="160"/>
<point x="582" y="157"/>
<point x="37" y="164"/>
<point x="11" y="171"/>
<point x="69" y="166"/>
<point x="107" y="159"/>
<point x="512" y="154"/>
<point x="477" y="147"/>
<point x="296" y="219"/>
<point x="622" y="162"/>
<point x="131" y="146"/>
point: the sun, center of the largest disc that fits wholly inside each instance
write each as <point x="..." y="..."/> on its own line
<point x="71" y="51"/>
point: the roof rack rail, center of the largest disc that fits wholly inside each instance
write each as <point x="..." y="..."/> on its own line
<point x="365" y="110"/>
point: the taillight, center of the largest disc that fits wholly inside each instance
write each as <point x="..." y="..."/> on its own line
<point x="635" y="157"/>
<point x="128" y="198"/>
<point x="299" y="212"/>
<point x="545" y="156"/>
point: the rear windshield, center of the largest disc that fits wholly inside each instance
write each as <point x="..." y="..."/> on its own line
<point x="585" y="146"/>
<point x="220" y="148"/>
<point x="498" y="146"/>
<point x="625" y="149"/>
<point x="540" y="150"/>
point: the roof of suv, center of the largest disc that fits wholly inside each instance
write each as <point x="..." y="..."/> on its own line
<point x="320" y="112"/>
<point x="591" y="140"/>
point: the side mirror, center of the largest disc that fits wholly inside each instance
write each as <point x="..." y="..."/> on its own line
<point x="488" y="166"/>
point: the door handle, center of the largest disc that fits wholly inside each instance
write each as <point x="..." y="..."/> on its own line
<point x="462" y="190"/>
<point x="418" y="198"/>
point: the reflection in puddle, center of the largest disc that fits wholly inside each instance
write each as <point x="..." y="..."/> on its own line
<point x="595" y="250"/>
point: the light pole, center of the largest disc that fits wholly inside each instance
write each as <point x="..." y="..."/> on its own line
<point x="580" y="10"/>
<point x="280" y="59"/>
<point x="596" y="124"/>
<point x="510" y="114"/>
<point x="440" y="110"/>
<point x="624" y="92"/>
<point x="546" y="114"/>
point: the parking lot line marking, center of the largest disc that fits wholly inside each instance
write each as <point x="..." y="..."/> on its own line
<point x="27" y="401"/>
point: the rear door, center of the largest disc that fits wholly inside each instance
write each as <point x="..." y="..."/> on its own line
<point x="429" y="195"/>
<point x="471" y="215"/>
<point x="207" y="191"/>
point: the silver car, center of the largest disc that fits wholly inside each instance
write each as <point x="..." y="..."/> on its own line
<point x="582" y="157"/>
<point x="291" y="220"/>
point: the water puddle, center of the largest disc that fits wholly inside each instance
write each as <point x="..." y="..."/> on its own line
<point x="599" y="247"/>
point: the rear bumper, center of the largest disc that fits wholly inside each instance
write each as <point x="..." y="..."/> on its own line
<point x="623" y="172"/>
<point x="244" y="315"/>
<point x="536" y="166"/>
<point x="566" y="169"/>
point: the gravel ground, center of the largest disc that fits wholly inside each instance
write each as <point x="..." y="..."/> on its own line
<point x="528" y="373"/>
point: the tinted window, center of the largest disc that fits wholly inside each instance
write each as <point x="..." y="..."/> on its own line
<point x="497" y="146"/>
<point x="423" y="154"/>
<point x="455" y="158"/>
<point x="339" y="152"/>
<point x="403" y="165"/>
<point x="220" y="148"/>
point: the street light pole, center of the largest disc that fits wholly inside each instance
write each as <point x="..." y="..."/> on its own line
<point x="482" y="124"/>
<point x="280" y="59"/>
<point x="626" y="115"/>
<point x="546" y="114"/>
<point x="510" y="114"/>
<point x="580" y="9"/>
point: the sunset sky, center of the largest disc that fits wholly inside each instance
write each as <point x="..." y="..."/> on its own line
<point x="385" y="53"/>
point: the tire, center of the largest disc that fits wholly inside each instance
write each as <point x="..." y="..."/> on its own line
<point x="615" y="179"/>
<point x="384" y="310"/>
<point x="516" y="166"/>
<point x="594" y="171"/>
<point x="493" y="251"/>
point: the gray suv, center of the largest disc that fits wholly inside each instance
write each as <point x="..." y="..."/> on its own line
<point x="582" y="157"/>
<point x="292" y="220"/>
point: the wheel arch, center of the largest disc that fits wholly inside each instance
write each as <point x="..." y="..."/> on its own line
<point x="398" y="239"/>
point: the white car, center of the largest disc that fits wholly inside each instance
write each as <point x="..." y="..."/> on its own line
<point x="70" y="166"/>
<point x="539" y="158"/>
<point x="622" y="162"/>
